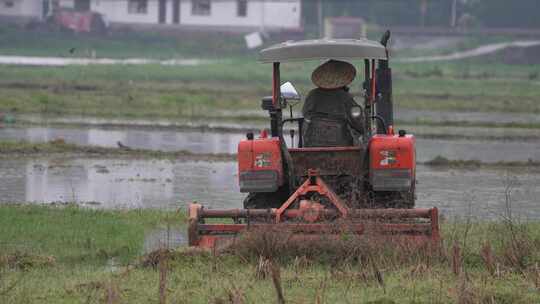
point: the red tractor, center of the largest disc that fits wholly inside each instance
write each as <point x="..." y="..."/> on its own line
<point x="369" y="181"/>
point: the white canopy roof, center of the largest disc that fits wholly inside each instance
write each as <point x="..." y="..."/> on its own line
<point x="321" y="49"/>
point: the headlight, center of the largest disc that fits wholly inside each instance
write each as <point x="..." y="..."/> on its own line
<point x="356" y="112"/>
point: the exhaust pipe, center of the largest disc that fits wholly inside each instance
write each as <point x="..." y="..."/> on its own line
<point x="384" y="105"/>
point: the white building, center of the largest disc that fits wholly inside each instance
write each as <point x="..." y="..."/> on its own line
<point x="221" y="14"/>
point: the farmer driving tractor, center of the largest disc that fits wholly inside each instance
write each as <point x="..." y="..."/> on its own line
<point x="349" y="173"/>
<point x="327" y="108"/>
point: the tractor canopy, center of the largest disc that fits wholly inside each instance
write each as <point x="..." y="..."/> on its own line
<point x="322" y="49"/>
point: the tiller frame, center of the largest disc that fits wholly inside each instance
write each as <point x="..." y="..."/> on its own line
<point x="312" y="220"/>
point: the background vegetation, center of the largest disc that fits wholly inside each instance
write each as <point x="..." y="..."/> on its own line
<point x="485" y="13"/>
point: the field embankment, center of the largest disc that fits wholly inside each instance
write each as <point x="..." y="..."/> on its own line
<point x="58" y="149"/>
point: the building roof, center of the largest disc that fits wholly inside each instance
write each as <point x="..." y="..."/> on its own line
<point x="321" y="49"/>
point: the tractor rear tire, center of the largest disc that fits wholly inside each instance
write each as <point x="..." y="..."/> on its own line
<point x="266" y="200"/>
<point x="406" y="200"/>
<point x="394" y="200"/>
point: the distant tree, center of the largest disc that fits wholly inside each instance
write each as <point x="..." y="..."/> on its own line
<point x="505" y="13"/>
<point x="383" y="12"/>
<point x="488" y="13"/>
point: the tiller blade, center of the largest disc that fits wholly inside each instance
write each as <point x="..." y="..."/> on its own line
<point x="303" y="218"/>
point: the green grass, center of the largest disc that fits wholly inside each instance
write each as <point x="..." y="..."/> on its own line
<point x="247" y="70"/>
<point x="174" y="44"/>
<point x="231" y="80"/>
<point x="76" y="236"/>
<point x="120" y="44"/>
<point x="207" y="90"/>
<point x="80" y="244"/>
<point x="207" y="280"/>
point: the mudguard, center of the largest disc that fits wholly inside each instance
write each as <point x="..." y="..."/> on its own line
<point x="392" y="160"/>
<point x="260" y="165"/>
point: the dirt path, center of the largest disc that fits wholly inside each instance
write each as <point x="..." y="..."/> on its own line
<point x="480" y="51"/>
<point x="62" y="61"/>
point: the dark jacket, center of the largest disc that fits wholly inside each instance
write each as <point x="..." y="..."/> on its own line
<point x="327" y="118"/>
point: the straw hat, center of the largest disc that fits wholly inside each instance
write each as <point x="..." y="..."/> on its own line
<point x="333" y="74"/>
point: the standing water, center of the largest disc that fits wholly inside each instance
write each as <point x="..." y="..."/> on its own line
<point x="214" y="142"/>
<point x="129" y="183"/>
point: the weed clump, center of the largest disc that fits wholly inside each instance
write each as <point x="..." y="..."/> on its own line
<point x="154" y="258"/>
<point x="337" y="250"/>
<point x="441" y="161"/>
<point x="26" y="261"/>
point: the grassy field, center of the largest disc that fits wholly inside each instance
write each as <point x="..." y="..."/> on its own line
<point x="119" y="44"/>
<point x="209" y="89"/>
<point x="230" y="80"/>
<point x="173" y="44"/>
<point x="73" y="255"/>
<point x="71" y="236"/>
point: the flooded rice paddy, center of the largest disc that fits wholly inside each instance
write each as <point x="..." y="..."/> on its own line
<point x="152" y="183"/>
<point x="134" y="183"/>
<point x="252" y="118"/>
<point x="162" y="140"/>
<point x="485" y="150"/>
<point x="117" y="183"/>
